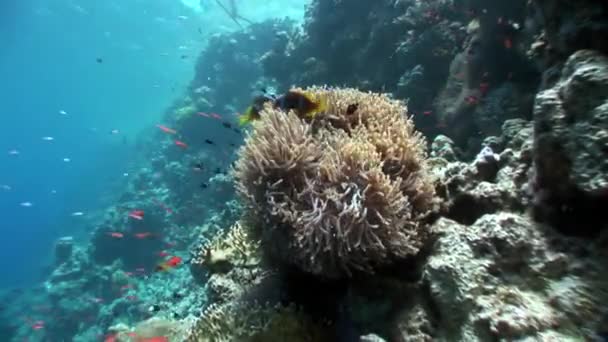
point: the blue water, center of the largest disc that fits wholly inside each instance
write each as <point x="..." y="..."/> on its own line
<point x="48" y="63"/>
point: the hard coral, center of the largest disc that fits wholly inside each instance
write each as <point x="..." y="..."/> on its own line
<point x="229" y="249"/>
<point x="345" y="191"/>
<point x="255" y="322"/>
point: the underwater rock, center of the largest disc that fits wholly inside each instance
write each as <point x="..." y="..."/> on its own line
<point x="503" y="103"/>
<point x="570" y="146"/>
<point x="493" y="181"/>
<point x="443" y="147"/>
<point x="63" y="249"/>
<point x="415" y="323"/>
<point x="486" y="163"/>
<point x="160" y="327"/>
<point x="564" y="27"/>
<point x="505" y="277"/>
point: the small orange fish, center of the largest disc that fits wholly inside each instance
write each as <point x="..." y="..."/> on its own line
<point x="137" y="214"/>
<point x="110" y="338"/>
<point x="428" y="112"/>
<point x="166" y="129"/>
<point x="171" y="263"/>
<point x="181" y="144"/>
<point x="116" y="235"/>
<point x="508" y="43"/>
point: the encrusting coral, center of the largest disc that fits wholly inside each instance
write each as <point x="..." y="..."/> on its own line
<point x="345" y="191"/>
<point x="237" y="321"/>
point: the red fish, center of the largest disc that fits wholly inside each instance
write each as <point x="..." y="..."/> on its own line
<point x="110" y="338"/>
<point x="137" y="214"/>
<point x="38" y="325"/>
<point x="142" y="235"/>
<point x="428" y="112"/>
<point x="508" y="43"/>
<point x="216" y="116"/>
<point x="471" y="100"/>
<point x="166" y="129"/>
<point x="171" y="263"/>
<point x="181" y="144"/>
<point x="131" y="297"/>
<point x="116" y="235"/>
<point x="483" y="87"/>
<point x="154" y="339"/>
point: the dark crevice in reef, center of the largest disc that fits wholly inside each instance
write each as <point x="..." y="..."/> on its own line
<point x="576" y="214"/>
<point x="325" y="301"/>
<point x="466" y="209"/>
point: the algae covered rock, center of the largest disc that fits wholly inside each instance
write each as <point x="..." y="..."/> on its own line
<point x="570" y="145"/>
<point x="505" y="277"/>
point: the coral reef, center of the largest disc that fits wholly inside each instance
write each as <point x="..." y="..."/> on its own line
<point x="349" y="229"/>
<point x="347" y="192"/>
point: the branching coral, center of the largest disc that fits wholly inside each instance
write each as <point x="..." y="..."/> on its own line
<point x="343" y="192"/>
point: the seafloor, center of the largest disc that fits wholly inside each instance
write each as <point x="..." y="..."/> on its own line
<point x="488" y="226"/>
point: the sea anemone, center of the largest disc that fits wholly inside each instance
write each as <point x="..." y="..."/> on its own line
<point x="345" y="191"/>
